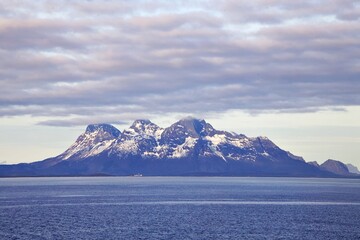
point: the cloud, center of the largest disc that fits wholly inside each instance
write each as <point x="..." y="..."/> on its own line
<point x="85" y="62"/>
<point x="281" y="11"/>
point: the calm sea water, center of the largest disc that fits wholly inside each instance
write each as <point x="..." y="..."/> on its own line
<point x="179" y="208"/>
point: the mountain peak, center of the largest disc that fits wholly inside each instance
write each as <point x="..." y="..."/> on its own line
<point x="314" y="163"/>
<point x="335" y="166"/>
<point x="190" y="118"/>
<point x="142" y="127"/>
<point x="191" y="123"/>
<point x="96" y="138"/>
<point x="186" y="129"/>
<point x="141" y="123"/>
<point x="103" y="127"/>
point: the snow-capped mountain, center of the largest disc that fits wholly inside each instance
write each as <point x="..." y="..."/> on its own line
<point x="186" y="138"/>
<point x="141" y="139"/>
<point x="188" y="147"/>
<point x="96" y="139"/>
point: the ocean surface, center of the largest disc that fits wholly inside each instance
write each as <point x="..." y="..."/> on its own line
<point x="179" y="208"/>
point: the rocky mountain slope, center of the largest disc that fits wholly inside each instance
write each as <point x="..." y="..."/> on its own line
<point x="188" y="147"/>
<point x="335" y="166"/>
<point x="352" y="168"/>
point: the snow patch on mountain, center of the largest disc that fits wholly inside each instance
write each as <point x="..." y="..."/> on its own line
<point x="146" y="129"/>
<point x="184" y="149"/>
<point x="214" y="150"/>
<point x="128" y="146"/>
<point x="229" y="138"/>
<point x="96" y="139"/>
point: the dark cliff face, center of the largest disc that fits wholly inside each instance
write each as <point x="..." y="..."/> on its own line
<point x="188" y="147"/>
<point x="177" y="133"/>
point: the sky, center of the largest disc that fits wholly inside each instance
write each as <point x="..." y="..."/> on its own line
<point x="288" y="70"/>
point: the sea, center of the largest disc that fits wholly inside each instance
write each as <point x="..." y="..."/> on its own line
<point x="179" y="208"/>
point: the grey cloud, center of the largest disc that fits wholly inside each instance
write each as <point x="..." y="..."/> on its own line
<point x="128" y="65"/>
<point x="71" y="122"/>
<point x="279" y="11"/>
<point x="40" y="34"/>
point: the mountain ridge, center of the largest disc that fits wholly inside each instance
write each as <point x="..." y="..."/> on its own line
<point x="190" y="146"/>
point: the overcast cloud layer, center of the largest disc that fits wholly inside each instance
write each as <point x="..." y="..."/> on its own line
<point x="75" y="61"/>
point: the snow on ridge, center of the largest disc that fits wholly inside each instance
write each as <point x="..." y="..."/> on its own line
<point x="88" y="144"/>
<point x="214" y="149"/>
<point x="100" y="147"/>
<point x="235" y="140"/>
<point x="158" y="133"/>
<point x="86" y="149"/>
<point x="151" y="154"/>
<point x="218" y="139"/>
<point x="129" y="142"/>
<point x="146" y="131"/>
<point x="183" y="149"/>
<point x="127" y="146"/>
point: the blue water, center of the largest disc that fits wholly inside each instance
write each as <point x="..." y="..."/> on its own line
<point x="179" y="208"/>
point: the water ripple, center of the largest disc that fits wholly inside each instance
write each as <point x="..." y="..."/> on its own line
<point x="186" y="202"/>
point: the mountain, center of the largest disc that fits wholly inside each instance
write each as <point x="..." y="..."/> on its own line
<point x="188" y="147"/>
<point x="96" y="138"/>
<point x="335" y="166"/>
<point x="352" y="168"/>
<point x="314" y="163"/>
